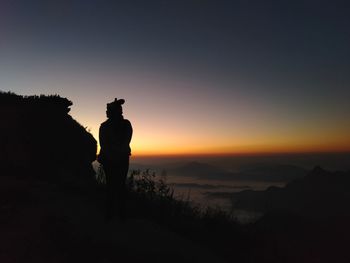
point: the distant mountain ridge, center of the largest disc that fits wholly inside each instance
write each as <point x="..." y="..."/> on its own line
<point x="273" y="173"/>
<point x="320" y="193"/>
<point x="198" y="169"/>
<point x="278" y="172"/>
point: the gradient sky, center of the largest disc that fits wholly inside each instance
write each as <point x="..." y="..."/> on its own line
<point x="198" y="76"/>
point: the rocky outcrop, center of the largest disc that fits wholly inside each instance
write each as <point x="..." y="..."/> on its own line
<point x="39" y="138"/>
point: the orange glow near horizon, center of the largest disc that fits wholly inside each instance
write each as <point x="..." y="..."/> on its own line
<point x="265" y="139"/>
<point x="203" y="130"/>
<point x="181" y="146"/>
<point x="243" y="150"/>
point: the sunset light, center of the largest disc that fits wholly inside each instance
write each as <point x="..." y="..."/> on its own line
<point x="227" y="96"/>
<point x="174" y="131"/>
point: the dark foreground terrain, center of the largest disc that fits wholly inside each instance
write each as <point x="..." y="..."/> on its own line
<point x="47" y="222"/>
<point x="44" y="222"/>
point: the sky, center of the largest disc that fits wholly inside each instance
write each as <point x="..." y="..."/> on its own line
<point x="198" y="76"/>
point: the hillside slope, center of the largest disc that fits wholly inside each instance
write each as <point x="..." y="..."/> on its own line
<point x="43" y="222"/>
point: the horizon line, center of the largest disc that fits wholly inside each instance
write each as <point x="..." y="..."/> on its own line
<point x="225" y="154"/>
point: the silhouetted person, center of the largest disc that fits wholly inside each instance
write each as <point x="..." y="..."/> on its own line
<point x="115" y="135"/>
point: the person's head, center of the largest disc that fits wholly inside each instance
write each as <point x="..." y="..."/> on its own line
<point x="114" y="109"/>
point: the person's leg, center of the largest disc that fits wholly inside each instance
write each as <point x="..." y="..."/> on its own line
<point x="122" y="191"/>
<point x="110" y="172"/>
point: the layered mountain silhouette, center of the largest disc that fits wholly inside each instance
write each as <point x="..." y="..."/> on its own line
<point x="200" y="170"/>
<point x="268" y="173"/>
<point x="321" y="193"/>
<point x="39" y="138"/>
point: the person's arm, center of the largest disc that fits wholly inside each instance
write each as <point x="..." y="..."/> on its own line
<point x="129" y="132"/>
<point x="127" y="137"/>
<point x="102" y="137"/>
<point x="106" y="142"/>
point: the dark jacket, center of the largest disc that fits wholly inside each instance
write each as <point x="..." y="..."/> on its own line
<point x="115" y="137"/>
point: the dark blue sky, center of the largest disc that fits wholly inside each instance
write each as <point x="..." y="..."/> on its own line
<point x="261" y="39"/>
